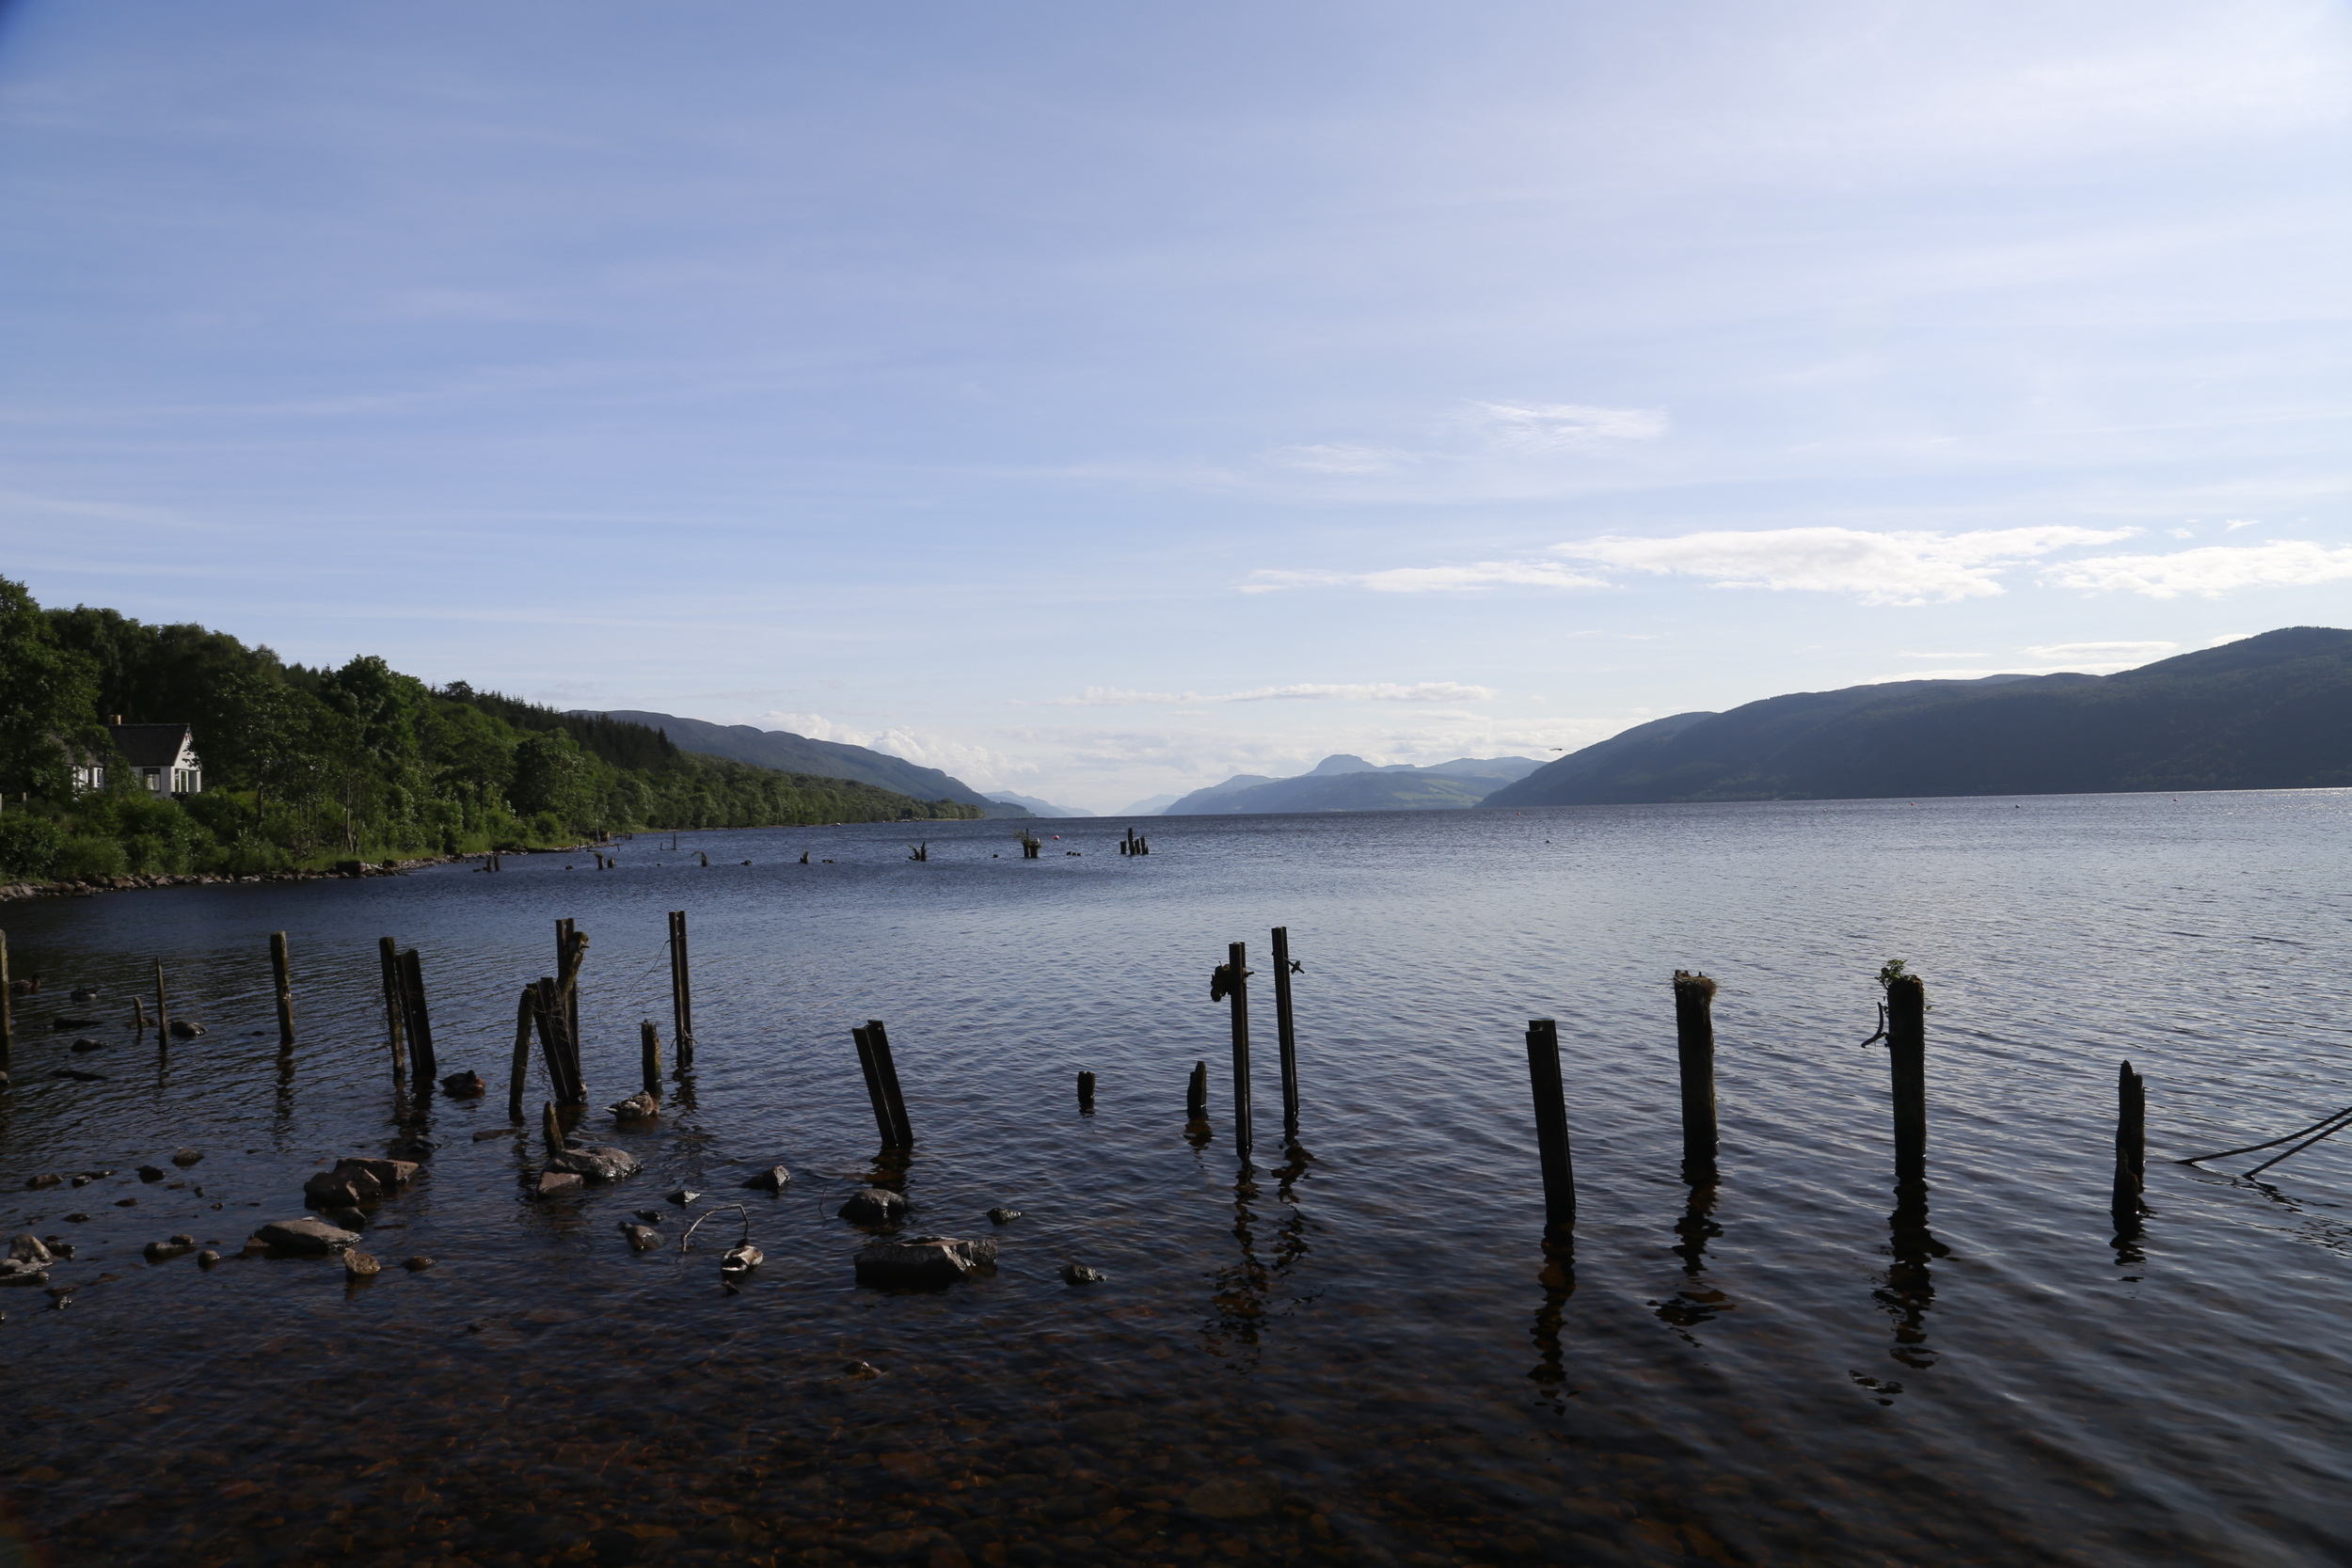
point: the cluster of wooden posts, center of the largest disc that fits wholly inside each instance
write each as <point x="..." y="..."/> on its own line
<point x="1135" y="844"/>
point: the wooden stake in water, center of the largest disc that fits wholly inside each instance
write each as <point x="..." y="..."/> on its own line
<point x="1086" y="1092"/>
<point x="419" y="1019"/>
<point x="2131" y="1148"/>
<point x="887" y="1068"/>
<point x="681" y="994"/>
<point x="1196" y="1093"/>
<point x="1694" y="1043"/>
<point x="649" y="1052"/>
<point x="1552" y="1123"/>
<point x="1285" y="1032"/>
<point x="519" y="1070"/>
<point x="885" y="1124"/>
<point x="1237" y="987"/>
<point x="281" y="977"/>
<point x="551" y="1127"/>
<point x="387" y="955"/>
<point x="163" y="1009"/>
<point x="1907" y="1047"/>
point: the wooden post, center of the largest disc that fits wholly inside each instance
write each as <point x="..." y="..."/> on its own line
<point x="681" y="994"/>
<point x="649" y="1049"/>
<point x="138" y="1014"/>
<point x="1694" y="1043"/>
<point x="420" y="1019"/>
<point x="2131" y="1148"/>
<point x="553" y="1047"/>
<point x="7" y="1010"/>
<point x="1237" y="987"/>
<point x="1552" y="1123"/>
<point x="1285" y="1032"/>
<point x="1086" y="1092"/>
<point x="569" y="953"/>
<point x="1907" y="1046"/>
<point x="387" y="955"/>
<point x="884" y="1122"/>
<point x="163" y="1007"/>
<point x="281" y="976"/>
<point x="520" y="1069"/>
<point x="887" y="1070"/>
<point x="1196" y="1093"/>
<point x="551" y="1127"/>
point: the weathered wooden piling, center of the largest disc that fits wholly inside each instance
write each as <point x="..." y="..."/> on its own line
<point x="1237" y="988"/>
<point x="1086" y="1092"/>
<point x="7" y="1010"/>
<point x="1285" y="1030"/>
<point x="1030" y="846"/>
<point x="1196" y="1093"/>
<point x="551" y="1129"/>
<point x="2131" y="1148"/>
<point x="519" y="1068"/>
<point x="649" y="1051"/>
<point x="395" y="1013"/>
<point x="163" y="1007"/>
<point x="1694" y="1044"/>
<point x="887" y="1068"/>
<point x="138" y="1014"/>
<point x="569" y="949"/>
<point x="419" y="1019"/>
<point x="681" y="994"/>
<point x="556" y="1048"/>
<point x="885" y="1123"/>
<point x="1552" y="1123"/>
<point x="281" y="979"/>
<point x="1907" y="1049"/>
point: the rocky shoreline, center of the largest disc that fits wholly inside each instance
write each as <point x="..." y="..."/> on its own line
<point x="84" y="887"/>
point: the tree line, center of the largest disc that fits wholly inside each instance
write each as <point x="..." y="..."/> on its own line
<point x="304" y="767"/>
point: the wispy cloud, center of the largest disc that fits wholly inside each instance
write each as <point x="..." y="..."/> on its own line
<point x="1431" y="580"/>
<point x="2210" y="571"/>
<point x="1563" y="426"/>
<point x="2138" y="652"/>
<point x="1897" y="569"/>
<point x="1370" y="692"/>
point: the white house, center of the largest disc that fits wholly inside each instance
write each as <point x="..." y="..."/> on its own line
<point x="162" y="756"/>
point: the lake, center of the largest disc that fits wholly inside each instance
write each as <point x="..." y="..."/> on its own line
<point x="1351" y="1347"/>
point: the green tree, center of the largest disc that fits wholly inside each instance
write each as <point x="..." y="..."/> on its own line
<point x="47" y="701"/>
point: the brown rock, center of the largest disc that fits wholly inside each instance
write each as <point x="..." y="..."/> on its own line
<point x="874" y="1206"/>
<point x="306" y="1235"/>
<point x="186" y="1157"/>
<point x="645" y="1237"/>
<point x="595" y="1162"/>
<point x="28" y="1248"/>
<point x="359" y="1265"/>
<point x="464" y="1085"/>
<point x="418" y="1264"/>
<point x="924" y="1260"/>
<point x="35" y="1183"/>
<point x="554" y="1181"/>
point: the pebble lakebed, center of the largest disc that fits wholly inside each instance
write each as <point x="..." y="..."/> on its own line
<point x="1352" y="1348"/>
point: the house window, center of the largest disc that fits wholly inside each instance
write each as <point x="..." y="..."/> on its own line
<point x="152" y="778"/>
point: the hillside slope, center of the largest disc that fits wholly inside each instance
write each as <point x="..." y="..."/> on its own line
<point x="797" y="754"/>
<point x="2268" y="712"/>
<point x="1345" y="782"/>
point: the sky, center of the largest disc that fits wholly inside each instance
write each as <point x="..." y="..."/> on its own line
<point x="1096" y="401"/>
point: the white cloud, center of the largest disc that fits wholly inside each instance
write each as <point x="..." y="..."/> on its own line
<point x="2237" y="523"/>
<point x="2142" y="651"/>
<point x="2210" y="571"/>
<point x="1431" y="580"/>
<point x="1560" y="426"/>
<point x="1900" y="567"/>
<point x="1345" y="457"/>
<point x="1370" y="692"/>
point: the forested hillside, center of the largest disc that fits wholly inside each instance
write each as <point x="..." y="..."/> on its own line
<point x="303" y="765"/>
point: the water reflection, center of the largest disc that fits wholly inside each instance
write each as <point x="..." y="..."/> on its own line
<point x="1237" y="1294"/>
<point x="1696" y="1303"/>
<point x="1558" y="1278"/>
<point x="1906" y="1292"/>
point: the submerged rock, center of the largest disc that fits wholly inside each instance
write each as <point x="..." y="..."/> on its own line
<point x="875" y="1206"/>
<point x="552" y="1182"/>
<point x="683" y="1196"/>
<point x="359" y="1265"/>
<point x="184" y="1158"/>
<point x="183" y="1029"/>
<point x="152" y="1173"/>
<point x="645" y="1237"/>
<point x="358" y="1178"/>
<point x="179" y="1246"/>
<point x="640" y="1106"/>
<point x="206" y="1258"/>
<point x="1003" y="1216"/>
<point x="1078" y="1273"/>
<point x="924" y="1260"/>
<point x="595" y="1162"/>
<point x="308" y="1235"/>
<point x="35" y="1183"/>
<point x="85" y="1043"/>
<point x="13" y="1272"/>
<point x="28" y="1248"/>
<point x="464" y="1085"/>
<point x="774" y="1180"/>
<point x="418" y="1264"/>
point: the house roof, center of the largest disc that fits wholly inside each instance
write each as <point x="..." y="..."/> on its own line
<point x="151" y="745"/>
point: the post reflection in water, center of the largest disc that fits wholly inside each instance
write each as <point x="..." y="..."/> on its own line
<point x="1558" y="1278"/>
<point x="1907" y="1292"/>
<point x="1696" y="1303"/>
<point x="1237" y="1296"/>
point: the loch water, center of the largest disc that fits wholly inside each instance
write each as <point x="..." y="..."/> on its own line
<point x="1351" y="1347"/>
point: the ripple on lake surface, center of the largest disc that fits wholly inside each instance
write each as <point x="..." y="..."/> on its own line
<point x="1355" y="1349"/>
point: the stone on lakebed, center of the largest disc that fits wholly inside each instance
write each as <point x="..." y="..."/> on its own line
<point x="595" y="1162"/>
<point x="874" y="1206"/>
<point x="314" y="1237"/>
<point x="924" y="1260"/>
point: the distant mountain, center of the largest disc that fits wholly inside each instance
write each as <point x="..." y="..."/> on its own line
<point x="1035" y="806"/>
<point x="1151" y="805"/>
<point x="796" y="754"/>
<point x="1345" y="782"/>
<point x="2268" y="712"/>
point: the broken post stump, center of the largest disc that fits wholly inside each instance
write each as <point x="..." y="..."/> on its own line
<point x="1086" y="1092"/>
<point x="886" y="1068"/>
<point x="387" y="955"/>
<point x="2131" y="1148"/>
<point x="681" y="994"/>
<point x="520" y="1067"/>
<point x="419" y="1019"/>
<point x="1907" y="1049"/>
<point x="1694" y="1045"/>
<point x="163" y="1007"/>
<point x="1237" y="990"/>
<point x="884" y="1122"/>
<point x="649" y="1051"/>
<point x="1285" y="1031"/>
<point x="1552" y="1122"/>
<point x="1196" y="1093"/>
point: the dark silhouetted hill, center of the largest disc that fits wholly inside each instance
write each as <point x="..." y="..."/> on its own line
<point x="797" y="754"/>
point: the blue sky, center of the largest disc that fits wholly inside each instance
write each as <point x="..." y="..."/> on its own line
<point x="1097" y="401"/>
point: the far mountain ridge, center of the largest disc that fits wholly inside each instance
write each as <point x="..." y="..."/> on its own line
<point x="1034" y="806"/>
<point x="1347" y="782"/>
<point x="2266" y="712"/>
<point x="798" y="753"/>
